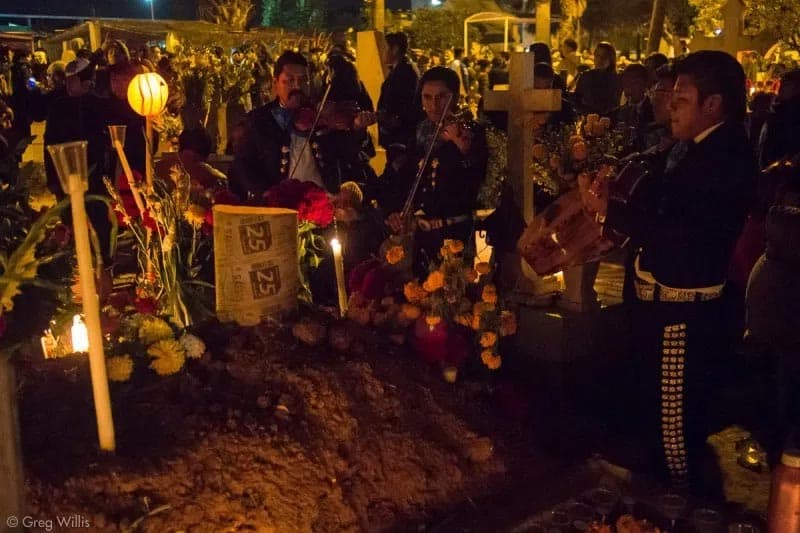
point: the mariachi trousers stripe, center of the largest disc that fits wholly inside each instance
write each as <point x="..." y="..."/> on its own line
<point x="673" y="429"/>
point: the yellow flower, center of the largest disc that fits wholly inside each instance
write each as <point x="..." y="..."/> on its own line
<point x="491" y="360"/>
<point x="413" y="292"/>
<point x="412" y="312"/>
<point x="483" y="267"/>
<point x="168" y="357"/>
<point x="195" y="215"/>
<point x="434" y="282"/>
<point x="119" y="368"/>
<point x="489" y="294"/>
<point x="455" y="246"/>
<point x="153" y="329"/>
<point x="508" y="323"/>
<point x="488" y="339"/>
<point x="432" y="320"/>
<point x="395" y="254"/>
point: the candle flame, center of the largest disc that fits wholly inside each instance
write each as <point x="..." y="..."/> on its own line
<point x="80" y="335"/>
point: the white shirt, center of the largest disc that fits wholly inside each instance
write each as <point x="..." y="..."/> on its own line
<point x="306" y="166"/>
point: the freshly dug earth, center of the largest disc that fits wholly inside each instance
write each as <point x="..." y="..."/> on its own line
<point x="265" y="434"/>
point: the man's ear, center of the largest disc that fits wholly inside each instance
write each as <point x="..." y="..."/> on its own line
<point x="713" y="105"/>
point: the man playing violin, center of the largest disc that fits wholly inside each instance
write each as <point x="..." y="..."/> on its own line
<point x="275" y="143"/>
<point x="450" y="178"/>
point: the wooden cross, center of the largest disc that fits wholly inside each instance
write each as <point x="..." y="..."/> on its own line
<point x="523" y="104"/>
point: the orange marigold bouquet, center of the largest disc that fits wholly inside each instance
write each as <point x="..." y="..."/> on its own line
<point x="453" y="298"/>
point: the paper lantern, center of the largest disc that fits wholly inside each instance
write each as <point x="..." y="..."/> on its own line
<point x="147" y="94"/>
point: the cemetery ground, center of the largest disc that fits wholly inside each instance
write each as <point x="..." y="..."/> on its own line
<point x="266" y="434"/>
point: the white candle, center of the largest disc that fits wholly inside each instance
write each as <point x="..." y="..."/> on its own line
<point x="80" y="335"/>
<point x="338" y="264"/>
<point x="91" y="311"/>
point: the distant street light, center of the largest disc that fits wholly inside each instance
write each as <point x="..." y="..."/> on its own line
<point x="152" y="15"/>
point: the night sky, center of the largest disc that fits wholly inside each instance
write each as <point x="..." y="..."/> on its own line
<point x="174" y="9"/>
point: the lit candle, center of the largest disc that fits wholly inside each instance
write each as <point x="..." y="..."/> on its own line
<point x="560" y="279"/>
<point x="338" y="264"/>
<point x="80" y="335"/>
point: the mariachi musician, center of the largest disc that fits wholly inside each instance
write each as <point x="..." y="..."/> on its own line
<point x="276" y="142"/>
<point x="450" y="177"/>
<point x="684" y="228"/>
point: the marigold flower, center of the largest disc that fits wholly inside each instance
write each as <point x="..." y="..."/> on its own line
<point x="432" y="320"/>
<point x="491" y="360"/>
<point x="483" y="268"/>
<point x="195" y="215"/>
<point x="476" y="322"/>
<point x="488" y="339"/>
<point x="119" y="368"/>
<point x="455" y="246"/>
<point x="153" y="329"/>
<point x="508" y="323"/>
<point x="168" y="357"/>
<point x="470" y="275"/>
<point x="194" y="346"/>
<point x="413" y="292"/>
<point x="395" y="254"/>
<point x="411" y="312"/>
<point x="580" y="151"/>
<point x="489" y="294"/>
<point x="434" y="282"/>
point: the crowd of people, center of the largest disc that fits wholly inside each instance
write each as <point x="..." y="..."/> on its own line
<point x="695" y="231"/>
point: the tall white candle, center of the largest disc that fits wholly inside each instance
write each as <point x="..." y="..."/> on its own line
<point x="91" y="312"/>
<point x="338" y="264"/>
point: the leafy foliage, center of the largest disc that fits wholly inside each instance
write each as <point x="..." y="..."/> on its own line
<point x="782" y="17"/>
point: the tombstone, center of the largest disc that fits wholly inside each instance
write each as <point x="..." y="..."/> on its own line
<point x="524" y="106"/>
<point x="370" y="46"/>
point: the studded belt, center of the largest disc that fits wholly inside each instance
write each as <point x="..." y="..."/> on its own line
<point x="649" y="292"/>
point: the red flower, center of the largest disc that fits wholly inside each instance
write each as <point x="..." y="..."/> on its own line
<point x="310" y="201"/>
<point x="61" y="235"/>
<point x="122" y="181"/>
<point x="145" y="306"/>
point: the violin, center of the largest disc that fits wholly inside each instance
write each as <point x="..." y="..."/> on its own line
<point x="339" y="116"/>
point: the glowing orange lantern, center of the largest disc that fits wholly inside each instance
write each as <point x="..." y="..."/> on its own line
<point x="147" y="94"/>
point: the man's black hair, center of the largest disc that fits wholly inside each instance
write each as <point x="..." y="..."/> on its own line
<point x="444" y="75"/>
<point x="458" y="52"/>
<point x="543" y="70"/>
<point x="541" y="53"/>
<point x="398" y="40"/>
<point x="655" y="61"/>
<point x="289" y="58"/>
<point x="636" y="70"/>
<point x="571" y="44"/>
<point x="715" y="72"/>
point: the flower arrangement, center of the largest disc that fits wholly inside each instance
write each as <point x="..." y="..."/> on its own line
<point x="314" y="212"/>
<point x="170" y="226"/>
<point x="453" y="311"/>
<point x="139" y="340"/>
<point x="561" y="156"/>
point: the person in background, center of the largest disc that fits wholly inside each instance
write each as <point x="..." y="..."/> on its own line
<point x="545" y="78"/>
<point x="637" y="112"/>
<point x="194" y="147"/>
<point x="658" y="134"/>
<point x="760" y="106"/>
<point x="598" y="90"/>
<point x="397" y="124"/>
<point x="569" y="59"/>
<point x="652" y="63"/>
<point x="684" y="230"/>
<point x="780" y="135"/>
<point x="454" y="63"/>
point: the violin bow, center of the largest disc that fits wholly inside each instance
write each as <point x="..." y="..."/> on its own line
<point x="313" y="128"/>
<point x="404" y="214"/>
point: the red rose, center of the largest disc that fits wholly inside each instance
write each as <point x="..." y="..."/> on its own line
<point x="145" y="306"/>
<point x="122" y="182"/>
<point x="61" y="235"/>
<point x="310" y="201"/>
